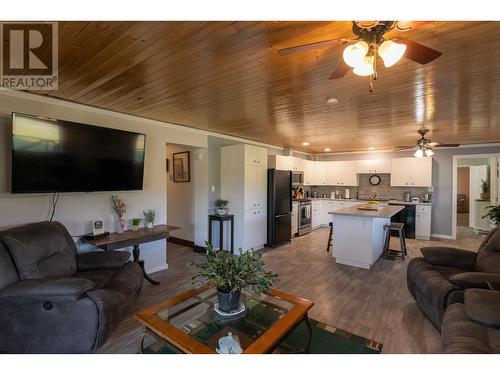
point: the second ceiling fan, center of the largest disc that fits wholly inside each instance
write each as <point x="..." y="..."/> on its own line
<point x="370" y="44"/>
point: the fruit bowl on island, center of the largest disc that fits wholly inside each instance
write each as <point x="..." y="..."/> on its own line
<point x="371" y="205"/>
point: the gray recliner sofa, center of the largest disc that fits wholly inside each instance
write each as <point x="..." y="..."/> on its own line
<point x="474" y="326"/>
<point x="54" y="300"/>
<point x="440" y="277"/>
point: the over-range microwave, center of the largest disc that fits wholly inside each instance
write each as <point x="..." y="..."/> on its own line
<point x="297" y="178"/>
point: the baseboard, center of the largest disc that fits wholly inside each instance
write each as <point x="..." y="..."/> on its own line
<point x="181" y="241"/>
<point x="199" y="249"/>
<point x="443" y="236"/>
<point x="157" y="269"/>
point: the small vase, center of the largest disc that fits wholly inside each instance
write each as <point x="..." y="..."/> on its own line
<point x="121" y="225"/>
<point x="228" y="301"/>
<point x="149" y="225"/>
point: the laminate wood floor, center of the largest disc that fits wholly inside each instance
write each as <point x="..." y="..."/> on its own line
<point x="372" y="303"/>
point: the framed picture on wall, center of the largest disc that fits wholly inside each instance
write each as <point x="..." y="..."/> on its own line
<point x="181" y="166"/>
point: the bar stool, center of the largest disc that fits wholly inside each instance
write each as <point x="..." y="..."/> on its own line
<point x="391" y="253"/>
<point x="330" y="235"/>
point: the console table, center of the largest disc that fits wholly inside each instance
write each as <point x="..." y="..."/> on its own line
<point x="134" y="238"/>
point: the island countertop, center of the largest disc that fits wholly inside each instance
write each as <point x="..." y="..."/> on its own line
<point x="385" y="212"/>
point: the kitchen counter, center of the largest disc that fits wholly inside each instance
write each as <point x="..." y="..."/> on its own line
<point x="359" y="235"/>
<point x="391" y="201"/>
<point x="384" y="212"/>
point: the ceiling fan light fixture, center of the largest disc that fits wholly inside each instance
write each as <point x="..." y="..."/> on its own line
<point x="391" y="52"/>
<point x="429" y="152"/>
<point x="419" y="153"/>
<point x="354" y="54"/>
<point x="365" y="68"/>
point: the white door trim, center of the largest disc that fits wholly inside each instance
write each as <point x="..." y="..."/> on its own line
<point x="454" y="186"/>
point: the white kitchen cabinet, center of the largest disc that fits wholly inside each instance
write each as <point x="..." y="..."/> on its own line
<point x="326" y="206"/>
<point x="296" y="164"/>
<point x="411" y="172"/>
<point x="295" y="218"/>
<point x="255" y="155"/>
<point x="373" y="166"/>
<point x="319" y="173"/>
<point x="421" y="171"/>
<point x="341" y="173"/>
<point x="244" y="185"/>
<point x="308" y="172"/>
<point x="279" y="162"/>
<point x="423" y="222"/>
<point x="316" y="214"/>
<point x="255" y="228"/>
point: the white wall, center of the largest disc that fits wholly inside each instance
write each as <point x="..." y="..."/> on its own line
<point x="76" y="209"/>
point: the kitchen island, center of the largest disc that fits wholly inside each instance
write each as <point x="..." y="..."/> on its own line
<point x="358" y="235"/>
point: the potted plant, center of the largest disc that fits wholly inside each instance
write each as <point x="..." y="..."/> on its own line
<point x="231" y="274"/>
<point x="221" y="206"/>
<point x="149" y="217"/>
<point x="136" y="221"/>
<point x="120" y="208"/>
<point x="493" y="214"/>
<point x="485" y="190"/>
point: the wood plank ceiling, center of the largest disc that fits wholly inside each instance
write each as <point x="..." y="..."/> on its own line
<point x="226" y="77"/>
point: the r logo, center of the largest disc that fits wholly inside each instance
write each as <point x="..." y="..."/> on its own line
<point x="29" y="50"/>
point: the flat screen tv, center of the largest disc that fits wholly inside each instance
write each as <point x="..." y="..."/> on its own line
<point x="50" y="156"/>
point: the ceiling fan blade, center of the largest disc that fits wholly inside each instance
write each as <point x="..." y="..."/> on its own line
<point x="340" y="71"/>
<point x="408" y="25"/>
<point x="418" y="52"/>
<point x="403" y="148"/>
<point x="443" y="145"/>
<point x="312" y="46"/>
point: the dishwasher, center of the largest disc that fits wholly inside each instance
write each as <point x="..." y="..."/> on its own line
<point x="407" y="217"/>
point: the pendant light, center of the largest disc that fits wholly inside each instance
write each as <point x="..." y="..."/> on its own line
<point x="419" y="153"/>
<point x="391" y="52"/>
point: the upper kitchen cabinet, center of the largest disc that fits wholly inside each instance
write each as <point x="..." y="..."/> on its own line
<point x="373" y="166"/>
<point x="308" y="172"/>
<point x="319" y="172"/>
<point x="416" y="172"/>
<point x="296" y="164"/>
<point x="255" y="155"/>
<point x="279" y="162"/>
<point x="341" y="173"/>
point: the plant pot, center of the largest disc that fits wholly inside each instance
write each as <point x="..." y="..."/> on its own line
<point x="135" y="227"/>
<point x="149" y="225"/>
<point x="221" y="211"/>
<point x="485" y="196"/>
<point x="228" y="301"/>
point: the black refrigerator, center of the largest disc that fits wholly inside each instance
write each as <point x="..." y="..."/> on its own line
<point x="279" y="207"/>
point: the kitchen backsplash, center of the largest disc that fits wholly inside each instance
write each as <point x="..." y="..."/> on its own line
<point x="365" y="190"/>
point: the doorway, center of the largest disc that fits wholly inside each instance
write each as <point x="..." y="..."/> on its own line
<point x="475" y="187"/>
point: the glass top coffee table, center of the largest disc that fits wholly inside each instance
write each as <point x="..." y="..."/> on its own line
<point x="189" y="324"/>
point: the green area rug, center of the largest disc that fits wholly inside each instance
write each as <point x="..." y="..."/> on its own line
<point x="325" y="340"/>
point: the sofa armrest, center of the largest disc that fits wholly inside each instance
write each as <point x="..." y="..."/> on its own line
<point x="102" y="260"/>
<point x="449" y="256"/>
<point x="468" y="280"/>
<point x="68" y="288"/>
<point x="483" y="306"/>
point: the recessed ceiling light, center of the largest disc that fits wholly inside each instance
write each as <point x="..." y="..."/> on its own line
<point x="371" y="148"/>
<point x="332" y="101"/>
<point x="328" y="149"/>
<point x="305" y="143"/>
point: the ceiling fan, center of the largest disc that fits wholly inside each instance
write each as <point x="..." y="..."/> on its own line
<point x="369" y="45"/>
<point x="424" y="146"/>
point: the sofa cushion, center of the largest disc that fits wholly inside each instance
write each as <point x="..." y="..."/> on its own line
<point x="460" y="335"/>
<point x="41" y="250"/>
<point x="8" y="273"/>
<point x="488" y="257"/>
<point x="483" y="306"/>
